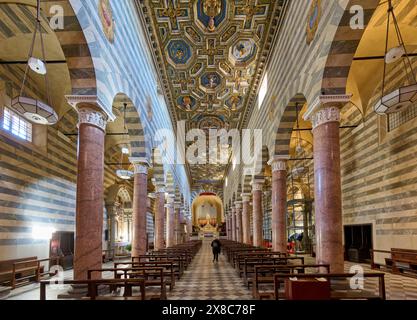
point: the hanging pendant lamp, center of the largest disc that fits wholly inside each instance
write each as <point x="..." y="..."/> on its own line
<point x="406" y="95"/>
<point x="35" y="110"/>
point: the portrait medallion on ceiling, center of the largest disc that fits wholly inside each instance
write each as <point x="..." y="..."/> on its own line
<point x="106" y="17"/>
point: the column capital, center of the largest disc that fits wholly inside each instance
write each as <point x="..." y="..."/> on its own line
<point x="279" y="163"/>
<point x="326" y="108"/>
<point x="92" y="116"/>
<point x="238" y="204"/>
<point x="246" y="197"/>
<point x="79" y="101"/>
<point x="152" y="195"/>
<point x="140" y="165"/>
<point x="257" y="184"/>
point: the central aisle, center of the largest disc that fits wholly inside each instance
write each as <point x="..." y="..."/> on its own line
<point x="205" y="280"/>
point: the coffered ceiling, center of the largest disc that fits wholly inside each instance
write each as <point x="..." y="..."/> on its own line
<point x="211" y="55"/>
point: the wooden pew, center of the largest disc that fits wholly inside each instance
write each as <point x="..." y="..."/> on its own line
<point x="240" y="258"/>
<point x="399" y="261"/>
<point x="169" y="269"/>
<point x="250" y="263"/>
<point x="18" y="272"/>
<point x="336" y="284"/>
<point x="126" y="284"/>
<point x="264" y="275"/>
<point x="177" y="260"/>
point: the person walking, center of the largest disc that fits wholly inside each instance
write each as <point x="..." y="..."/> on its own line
<point x="216" y="247"/>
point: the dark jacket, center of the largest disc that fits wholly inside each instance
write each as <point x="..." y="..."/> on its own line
<point x="216" y="245"/>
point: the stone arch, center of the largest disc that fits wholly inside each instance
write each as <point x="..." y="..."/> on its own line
<point x="75" y="48"/>
<point x="118" y="192"/>
<point x="343" y="49"/>
<point x="286" y="125"/>
<point x="261" y="163"/>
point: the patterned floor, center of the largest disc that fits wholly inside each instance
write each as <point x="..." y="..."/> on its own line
<point x="205" y="280"/>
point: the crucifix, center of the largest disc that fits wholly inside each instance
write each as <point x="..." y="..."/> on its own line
<point x="251" y="10"/>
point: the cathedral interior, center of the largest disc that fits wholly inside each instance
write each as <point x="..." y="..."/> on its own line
<point x="135" y="135"/>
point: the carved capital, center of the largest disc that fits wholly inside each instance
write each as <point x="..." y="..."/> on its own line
<point x="278" y="163"/>
<point x="257" y="185"/>
<point x="140" y="165"/>
<point x="326" y="108"/>
<point x="92" y="117"/>
<point x="238" y="205"/>
<point x="245" y="197"/>
<point x="326" y="115"/>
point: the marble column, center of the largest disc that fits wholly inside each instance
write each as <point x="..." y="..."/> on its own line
<point x="234" y="233"/>
<point x="111" y="225"/>
<point x="140" y="206"/>
<point x="239" y="229"/>
<point x="279" y="203"/>
<point x="229" y="225"/>
<point x="159" y="218"/>
<point x="246" y="218"/>
<point x="170" y="212"/>
<point x="177" y="223"/>
<point x="257" y="193"/>
<point x="90" y="190"/>
<point x="324" y="114"/>
<point x="189" y="228"/>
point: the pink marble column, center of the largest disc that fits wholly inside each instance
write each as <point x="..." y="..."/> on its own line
<point x="325" y="116"/>
<point x="170" y="241"/>
<point x="140" y="206"/>
<point x="177" y="223"/>
<point x="159" y="217"/>
<point x="239" y="229"/>
<point x="279" y="203"/>
<point x="246" y="218"/>
<point x="234" y="224"/>
<point x="90" y="191"/>
<point x="257" y="186"/>
<point x="229" y="225"/>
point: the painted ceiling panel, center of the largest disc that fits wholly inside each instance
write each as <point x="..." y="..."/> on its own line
<point x="211" y="56"/>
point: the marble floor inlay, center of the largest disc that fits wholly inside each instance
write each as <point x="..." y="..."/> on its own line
<point x="205" y="280"/>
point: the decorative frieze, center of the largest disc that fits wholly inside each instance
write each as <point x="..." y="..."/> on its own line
<point x="245" y="197"/>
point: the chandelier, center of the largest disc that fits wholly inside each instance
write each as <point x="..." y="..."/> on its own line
<point x="404" y="96"/>
<point x="32" y="109"/>
<point x="122" y="173"/>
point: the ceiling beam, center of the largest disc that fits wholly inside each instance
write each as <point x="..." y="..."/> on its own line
<point x="3" y="62"/>
<point x="380" y="57"/>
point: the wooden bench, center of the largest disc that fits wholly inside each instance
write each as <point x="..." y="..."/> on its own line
<point x="178" y="260"/>
<point x="240" y="259"/>
<point x="93" y="285"/>
<point x="250" y="263"/>
<point x="18" y="272"/>
<point x="338" y="285"/>
<point x="153" y="277"/>
<point x="399" y="261"/>
<point x="169" y="269"/>
<point x="264" y="276"/>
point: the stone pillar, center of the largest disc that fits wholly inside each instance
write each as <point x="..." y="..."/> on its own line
<point x="279" y="203"/>
<point x="324" y="114"/>
<point x="140" y="206"/>
<point x="170" y="212"/>
<point x="90" y="190"/>
<point x="111" y="225"/>
<point x="189" y="228"/>
<point x="177" y="224"/>
<point x="257" y="186"/>
<point x="239" y="231"/>
<point x="234" y="233"/>
<point x="159" y="217"/>
<point x="229" y="225"/>
<point x="246" y="218"/>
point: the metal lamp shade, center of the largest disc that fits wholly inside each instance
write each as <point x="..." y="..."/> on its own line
<point x="397" y="100"/>
<point x="35" y="111"/>
<point x="124" y="174"/>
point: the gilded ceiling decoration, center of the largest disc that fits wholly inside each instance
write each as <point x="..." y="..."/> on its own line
<point x="211" y="55"/>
